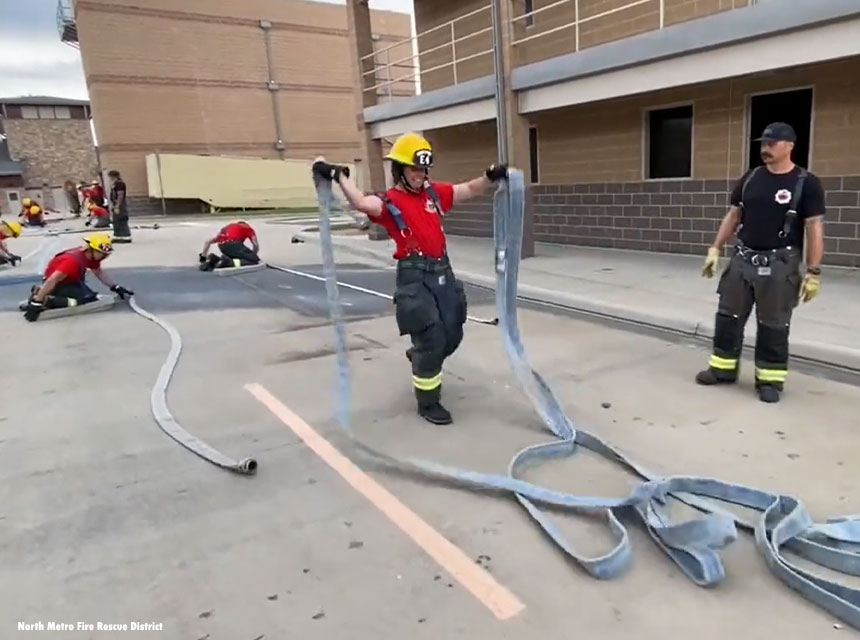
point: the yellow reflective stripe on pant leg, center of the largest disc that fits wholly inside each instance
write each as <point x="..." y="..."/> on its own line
<point x="725" y="364"/>
<point x="771" y="375"/>
<point x="427" y="384"/>
<point x="237" y="262"/>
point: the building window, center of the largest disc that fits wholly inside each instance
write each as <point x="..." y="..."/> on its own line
<point x="530" y="20"/>
<point x="62" y="113"/>
<point x="793" y="107"/>
<point x="670" y="143"/>
<point x="46" y="113"/>
<point x="29" y="113"/>
<point x="533" y="155"/>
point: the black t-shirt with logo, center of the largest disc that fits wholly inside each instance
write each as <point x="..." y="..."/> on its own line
<point x="767" y="199"/>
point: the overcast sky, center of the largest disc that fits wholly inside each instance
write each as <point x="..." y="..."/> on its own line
<point x="33" y="61"/>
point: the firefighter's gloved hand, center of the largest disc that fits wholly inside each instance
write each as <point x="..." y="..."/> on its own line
<point x="14" y="259"/>
<point x="328" y="171"/>
<point x="711" y="262"/>
<point x="496" y="172"/>
<point x="122" y="292"/>
<point x="810" y="287"/>
<point x="201" y="257"/>
<point x="33" y="309"/>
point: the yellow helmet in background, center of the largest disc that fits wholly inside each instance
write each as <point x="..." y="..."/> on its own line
<point x="26" y="202"/>
<point x="14" y="227"/>
<point x="99" y="242"/>
<point x="35" y="210"/>
<point x="412" y="150"/>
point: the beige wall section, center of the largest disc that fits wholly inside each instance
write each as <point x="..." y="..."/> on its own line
<point x="191" y="77"/>
<point x="464" y="152"/>
<point x="605" y="142"/>
<point x="52" y="151"/>
<point x="594" y="29"/>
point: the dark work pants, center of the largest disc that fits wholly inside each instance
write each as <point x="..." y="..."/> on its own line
<point x="100" y="222"/>
<point x="430" y="306"/>
<point x="773" y="289"/>
<point x="120" y="224"/>
<point x="236" y="254"/>
<point x="69" y="294"/>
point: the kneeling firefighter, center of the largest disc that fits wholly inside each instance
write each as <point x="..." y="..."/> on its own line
<point x="8" y="229"/>
<point x="234" y="252"/>
<point x="64" y="284"/>
<point x="430" y="301"/>
<point x="773" y="205"/>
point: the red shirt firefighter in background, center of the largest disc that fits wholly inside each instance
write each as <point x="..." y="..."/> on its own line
<point x="234" y="252"/>
<point x="8" y="229"/>
<point x="65" y="284"/>
<point x="430" y="301"/>
<point x="31" y="213"/>
<point x="97" y="216"/>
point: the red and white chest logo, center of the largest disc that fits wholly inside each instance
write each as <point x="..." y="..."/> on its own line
<point x="429" y="206"/>
<point x="783" y="196"/>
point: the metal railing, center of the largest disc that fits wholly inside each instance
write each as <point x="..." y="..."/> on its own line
<point x="66" y="25"/>
<point x="384" y="67"/>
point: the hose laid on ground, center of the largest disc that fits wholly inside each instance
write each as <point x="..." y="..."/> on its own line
<point x="162" y="415"/>
<point x="692" y="544"/>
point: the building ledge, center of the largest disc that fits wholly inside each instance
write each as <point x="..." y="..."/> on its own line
<point x="451" y="96"/>
<point x="11" y="168"/>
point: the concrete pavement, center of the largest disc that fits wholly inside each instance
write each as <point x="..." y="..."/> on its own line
<point x="104" y="518"/>
<point x="662" y="290"/>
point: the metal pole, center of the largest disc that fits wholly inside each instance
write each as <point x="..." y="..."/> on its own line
<point x="454" y="52"/>
<point x="501" y="110"/>
<point x="160" y="184"/>
<point x="662" y="13"/>
<point x="273" y="88"/>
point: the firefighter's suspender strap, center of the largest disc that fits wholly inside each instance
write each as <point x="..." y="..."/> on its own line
<point x="434" y="197"/>
<point x="791" y="214"/>
<point x="405" y="231"/>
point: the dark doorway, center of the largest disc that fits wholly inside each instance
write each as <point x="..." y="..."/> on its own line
<point x="793" y="107"/>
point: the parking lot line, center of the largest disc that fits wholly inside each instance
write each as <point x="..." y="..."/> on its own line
<point x="493" y="595"/>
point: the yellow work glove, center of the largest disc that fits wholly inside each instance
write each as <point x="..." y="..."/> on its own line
<point x="711" y="262"/>
<point x="810" y="287"/>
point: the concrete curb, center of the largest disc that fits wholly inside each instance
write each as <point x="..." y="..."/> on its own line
<point x="819" y="352"/>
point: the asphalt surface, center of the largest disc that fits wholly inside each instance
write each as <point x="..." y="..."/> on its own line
<point x="104" y="518"/>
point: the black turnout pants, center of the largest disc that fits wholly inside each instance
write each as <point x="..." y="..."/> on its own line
<point x="430" y="306"/>
<point x="770" y="281"/>
<point x="236" y="254"/>
<point x="70" y="294"/>
<point x="120" y="224"/>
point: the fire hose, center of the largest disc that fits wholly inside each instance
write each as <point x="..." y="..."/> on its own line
<point x="694" y="544"/>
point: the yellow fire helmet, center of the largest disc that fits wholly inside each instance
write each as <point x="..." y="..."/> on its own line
<point x="35" y="210"/>
<point x="412" y="150"/>
<point x="13" y="227"/>
<point x="99" y="242"/>
<point x="26" y="202"/>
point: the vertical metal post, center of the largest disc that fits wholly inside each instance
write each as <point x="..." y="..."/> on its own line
<point x="453" y="52"/>
<point x="160" y="183"/>
<point x="662" y="13"/>
<point x="273" y="87"/>
<point x="501" y="110"/>
<point x="576" y="21"/>
<point x="388" y="72"/>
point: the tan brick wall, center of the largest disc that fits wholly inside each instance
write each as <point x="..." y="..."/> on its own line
<point x="52" y="151"/>
<point x="594" y="29"/>
<point x="191" y="77"/>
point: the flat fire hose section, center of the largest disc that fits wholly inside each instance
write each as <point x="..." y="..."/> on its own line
<point x="693" y="544"/>
<point x="162" y="415"/>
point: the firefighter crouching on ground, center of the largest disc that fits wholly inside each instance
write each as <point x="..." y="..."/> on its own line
<point x="430" y="301"/>
<point x="31" y="213"/>
<point x="234" y="252"/>
<point x="8" y="229"/>
<point x="773" y="205"/>
<point x="97" y="216"/>
<point x="65" y="285"/>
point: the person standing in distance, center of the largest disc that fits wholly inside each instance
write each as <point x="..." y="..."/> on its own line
<point x="430" y="303"/>
<point x="119" y="207"/>
<point x="772" y="208"/>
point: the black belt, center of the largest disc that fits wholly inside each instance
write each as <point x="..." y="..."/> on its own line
<point x="423" y="263"/>
<point x="759" y="258"/>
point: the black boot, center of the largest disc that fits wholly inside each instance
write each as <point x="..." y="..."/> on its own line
<point x="209" y="264"/>
<point x="430" y="408"/>
<point x="711" y="376"/>
<point x="768" y="393"/>
<point x="409" y="353"/>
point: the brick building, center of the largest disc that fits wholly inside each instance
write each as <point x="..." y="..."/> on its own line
<point x="259" y="78"/>
<point x="632" y="120"/>
<point x="47" y="142"/>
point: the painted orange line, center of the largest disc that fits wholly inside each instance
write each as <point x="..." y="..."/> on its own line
<point x="475" y="579"/>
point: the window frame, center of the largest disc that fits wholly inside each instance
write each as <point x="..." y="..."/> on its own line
<point x="747" y="128"/>
<point x="646" y="139"/>
<point x="534" y="163"/>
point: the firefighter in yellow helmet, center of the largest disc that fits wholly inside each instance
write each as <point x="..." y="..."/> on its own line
<point x="32" y="216"/>
<point x="8" y="229"/>
<point x="430" y="302"/>
<point x="64" y="284"/>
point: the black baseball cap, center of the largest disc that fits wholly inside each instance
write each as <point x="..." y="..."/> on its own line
<point x="776" y="132"/>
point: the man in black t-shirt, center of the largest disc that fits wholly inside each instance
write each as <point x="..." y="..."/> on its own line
<point x="772" y="208"/>
<point x="119" y="208"/>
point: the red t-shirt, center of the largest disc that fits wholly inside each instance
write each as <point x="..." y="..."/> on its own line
<point x="99" y="212"/>
<point x="73" y="263"/>
<point x="421" y="217"/>
<point x="235" y="232"/>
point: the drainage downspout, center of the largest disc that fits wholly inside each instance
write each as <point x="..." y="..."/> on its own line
<point x="273" y="88"/>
